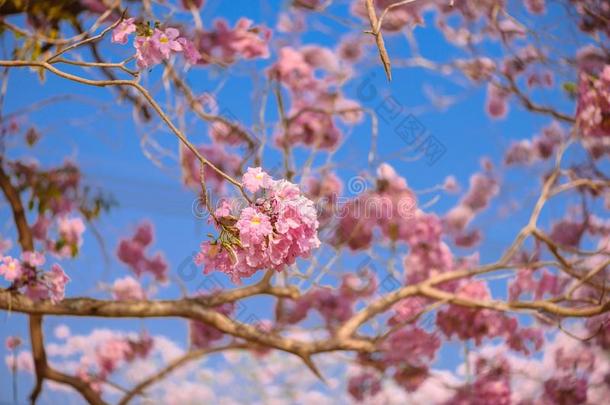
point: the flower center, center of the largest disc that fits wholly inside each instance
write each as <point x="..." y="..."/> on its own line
<point x="163" y="40"/>
<point x="255" y="220"/>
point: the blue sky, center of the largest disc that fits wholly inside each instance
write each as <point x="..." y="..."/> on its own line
<point x="102" y="138"/>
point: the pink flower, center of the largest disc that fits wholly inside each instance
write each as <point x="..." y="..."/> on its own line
<point x="144" y="234"/>
<point x="566" y="390"/>
<point x="364" y="385"/>
<point x="122" y="31"/>
<point x="167" y="41"/>
<point x="131" y="251"/>
<point x="157" y="266"/>
<point x="497" y="104"/>
<point x="22" y="362"/>
<point x="71" y="230"/>
<point x="110" y="354"/>
<point x="56" y="280"/>
<point x="10" y="268"/>
<point x="13" y="342"/>
<point x="292" y="69"/>
<point x="191" y="53"/>
<point x="37" y="291"/>
<point x="227" y="45"/>
<point x="270" y="234"/>
<point x="255" y="179"/>
<point x="191" y="167"/>
<point x="253" y="226"/>
<point x="224" y="210"/>
<point x="33" y="259"/>
<point x="535" y="6"/>
<point x="147" y="53"/>
<point x="126" y="289"/>
<point x="477" y="69"/>
<point x="593" y="109"/>
<point x="41" y="227"/>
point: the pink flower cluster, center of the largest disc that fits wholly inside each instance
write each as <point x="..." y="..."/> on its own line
<point x="38" y="285"/>
<point x="478" y="324"/>
<point x="492" y="384"/>
<point x="132" y="252"/>
<point x="70" y="236"/>
<point x="535" y="6"/>
<point x="226" y="45"/>
<point x="541" y="147"/>
<point x="334" y="305"/>
<point x="13" y="342"/>
<point x="218" y="156"/>
<point x="525" y="282"/>
<point x="324" y="192"/>
<point x="154" y="45"/>
<point x="483" y="187"/>
<point x="128" y="289"/>
<point x="363" y="385"/>
<point x="271" y="233"/>
<point x="57" y="194"/>
<point x="111" y="354"/>
<point x="21" y="362"/>
<point x="10" y="268"/>
<point x="391" y="206"/>
<point x="497" y="101"/>
<point x="477" y="69"/>
<point x="593" y="110"/>
<point x="311" y="117"/>
<point x="408" y="351"/>
<point x="594" y="15"/>
<point x="428" y="254"/>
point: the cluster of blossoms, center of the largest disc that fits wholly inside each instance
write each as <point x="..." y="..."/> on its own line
<point x="58" y="194"/>
<point x="594" y="15"/>
<point x="13" y="342"/>
<point x="132" y="252"/>
<point x="334" y="305"/>
<point x="127" y="289"/>
<point x="405" y="354"/>
<point x="17" y="360"/>
<point x="526" y="283"/>
<point x="541" y="147"/>
<point x="228" y="162"/>
<point x="271" y="233"/>
<point x="490" y="386"/>
<point x="483" y="187"/>
<point x="315" y="100"/>
<point x="38" y="285"/>
<point x="478" y="324"/>
<point x="391" y="206"/>
<point x="154" y="45"/>
<point x="497" y="101"/>
<point x="225" y="45"/>
<point x="324" y="192"/>
<point x="109" y="355"/>
<point x="593" y="111"/>
<point x="428" y="254"/>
